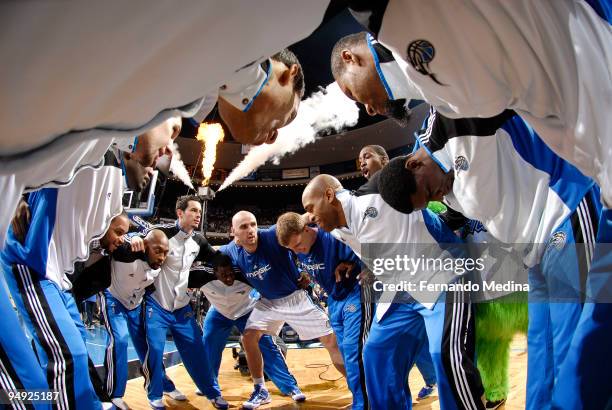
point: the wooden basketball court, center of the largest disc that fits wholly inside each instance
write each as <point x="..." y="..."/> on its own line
<point x="317" y="379"/>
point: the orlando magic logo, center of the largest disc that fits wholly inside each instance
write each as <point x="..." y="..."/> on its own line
<point x="558" y="240"/>
<point x="420" y="53"/>
<point x="370" y="212"/>
<point x="461" y="164"/>
<point x="351" y="308"/>
<point x="475" y="226"/>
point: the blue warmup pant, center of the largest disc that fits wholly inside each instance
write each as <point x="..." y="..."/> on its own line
<point x="397" y="340"/>
<point x="19" y="367"/>
<point x="187" y="336"/>
<point x="121" y="322"/>
<point x="52" y="318"/>
<point x="217" y="329"/>
<point x="351" y="319"/>
<point x="584" y="378"/>
<point x="556" y="285"/>
<point x="425" y="365"/>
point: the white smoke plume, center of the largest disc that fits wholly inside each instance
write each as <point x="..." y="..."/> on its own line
<point x="321" y="111"/>
<point x="178" y="168"/>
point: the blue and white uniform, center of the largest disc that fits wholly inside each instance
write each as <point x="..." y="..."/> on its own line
<point x="349" y="314"/>
<point x="528" y="197"/>
<point x="476" y="59"/>
<point x="104" y="101"/>
<point x="231" y="306"/>
<point x="126" y="274"/>
<point x="272" y="272"/>
<point x="19" y="367"/>
<point x="167" y="309"/>
<point x="400" y="329"/>
<point x="63" y="223"/>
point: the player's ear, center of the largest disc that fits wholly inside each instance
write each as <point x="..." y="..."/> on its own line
<point x="348" y="57"/>
<point x="288" y="74"/>
<point x="412" y="163"/>
<point x="329" y="194"/>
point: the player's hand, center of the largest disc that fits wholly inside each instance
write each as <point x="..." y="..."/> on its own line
<point x="343" y="270"/>
<point x="21" y="221"/>
<point x="366" y="277"/>
<point x="304" y="280"/>
<point x="137" y="244"/>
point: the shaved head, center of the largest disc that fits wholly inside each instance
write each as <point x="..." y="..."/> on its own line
<point x="156" y="248"/>
<point x="319" y="184"/>
<point x="244" y="228"/>
<point x="156" y="237"/>
<point x="319" y="200"/>
<point x="240" y="216"/>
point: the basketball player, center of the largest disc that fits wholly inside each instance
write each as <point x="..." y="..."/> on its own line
<point x="397" y="334"/>
<point x="268" y="268"/>
<point x="372" y="158"/>
<point x="167" y="307"/>
<point x="478" y="59"/>
<point x="543" y="187"/>
<point x="230" y="296"/>
<point x="319" y="253"/>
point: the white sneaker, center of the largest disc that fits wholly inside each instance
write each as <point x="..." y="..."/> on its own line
<point x="220" y="403"/>
<point x="298" y="396"/>
<point x="120" y="404"/>
<point x="157" y="404"/>
<point x="259" y="397"/>
<point x="176" y="395"/>
<point x="199" y="392"/>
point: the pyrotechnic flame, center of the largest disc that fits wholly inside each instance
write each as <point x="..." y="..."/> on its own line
<point x="211" y="135"/>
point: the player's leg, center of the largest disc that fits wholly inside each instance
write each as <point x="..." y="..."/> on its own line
<point x="115" y="357"/>
<point x="136" y="329"/>
<point x="426" y="367"/>
<point x="311" y="322"/>
<point x="451" y="334"/>
<point x="565" y="264"/>
<point x="275" y="366"/>
<point x="188" y="339"/>
<point x="264" y="318"/>
<point x="330" y="343"/>
<point x="540" y="364"/>
<point x="349" y="322"/>
<point x="389" y="353"/>
<point x="583" y="381"/>
<point x="94" y="377"/>
<point x="216" y="330"/>
<point x="157" y="320"/>
<point x="19" y="368"/>
<point x="60" y="346"/>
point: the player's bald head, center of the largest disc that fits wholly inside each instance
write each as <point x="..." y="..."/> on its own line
<point x="319" y="185"/>
<point x="320" y="202"/>
<point x="157" y="247"/>
<point x="156" y="237"/>
<point x="244" y="228"/>
<point x="242" y="216"/>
